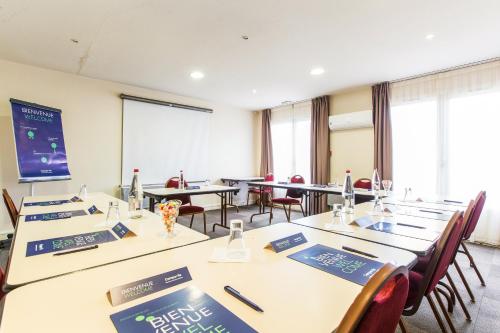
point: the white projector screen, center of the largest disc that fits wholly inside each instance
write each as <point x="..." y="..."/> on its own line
<point x="162" y="140"/>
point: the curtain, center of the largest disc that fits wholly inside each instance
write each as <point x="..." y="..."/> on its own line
<point x="320" y="147"/>
<point x="456" y="140"/>
<point x="266" y="150"/>
<point x="382" y="130"/>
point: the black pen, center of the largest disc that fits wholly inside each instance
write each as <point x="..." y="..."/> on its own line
<point x="411" y="225"/>
<point x="242" y="298"/>
<point x="430" y="211"/>
<point x="453" y="201"/>
<point x="350" y="249"/>
<point x="77" y="250"/>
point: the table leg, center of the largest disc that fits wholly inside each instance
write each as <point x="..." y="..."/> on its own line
<point x="262" y="205"/>
<point x="151" y="204"/>
<point x="223" y="211"/>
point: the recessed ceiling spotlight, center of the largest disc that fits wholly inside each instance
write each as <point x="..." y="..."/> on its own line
<point x="286" y="102"/>
<point x="244" y="37"/>
<point x="197" y="75"/>
<point x="317" y="71"/>
<point x="76" y="41"/>
<point x="254" y="91"/>
<point x="429" y="36"/>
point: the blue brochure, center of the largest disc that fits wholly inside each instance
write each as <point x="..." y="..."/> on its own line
<point x="54" y="216"/>
<point x="46" y="203"/>
<point x="68" y="242"/>
<point x="137" y="289"/>
<point x="185" y="310"/>
<point x="286" y="243"/>
<point x="343" y="264"/>
<point x="408" y="231"/>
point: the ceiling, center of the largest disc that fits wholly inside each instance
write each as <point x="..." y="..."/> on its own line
<point x="158" y="43"/>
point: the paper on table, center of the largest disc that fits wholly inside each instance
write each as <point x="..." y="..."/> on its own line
<point x="223" y="254"/>
<point x="339" y="227"/>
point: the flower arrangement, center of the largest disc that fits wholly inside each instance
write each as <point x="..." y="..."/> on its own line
<point x="169" y="211"/>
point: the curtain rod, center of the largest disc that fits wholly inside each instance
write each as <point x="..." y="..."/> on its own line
<point x="158" y="102"/>
<point x="449" y="69"/>
<point x="288" y="103"/>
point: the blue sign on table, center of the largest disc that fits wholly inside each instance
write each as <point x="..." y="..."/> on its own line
<point x="68" y="242"/>
<point x="46" y="203"/>
<point x="195" y="187"/>
<point x="93" y="210"/>
<point x="76" y="199"/>
<point x="407" y="231"/>
<point x="185" y="310"/>
<point x="137" y="289"/>
<point x="343" y="264"/>
<point x="122" y="231"/>
<point x="40" y="149"/>
<point x="286" y="243"/>
<point x="54" y="216"/>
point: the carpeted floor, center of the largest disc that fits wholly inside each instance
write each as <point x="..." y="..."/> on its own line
<point x="485" y="311"/>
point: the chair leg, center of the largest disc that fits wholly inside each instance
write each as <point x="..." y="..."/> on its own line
<point x="445" y="313"/>
<point x="449" y="298"/>
<point x="248" y="197"/>
<point x="191" y="224"/>
<point x="205" y="223"/>
<point x="473" y="263"/>
<point x="289" y="212"/>
<point x="450" y="291"/>
<point x="302" y="209"/>
<point x="436" y="313"/>
<point x="286" y="213"/>
<point x="460" y="300"/>
<point x="466" y="284"/>
<point x="271" y="214"/>
<point x="402" y="325"/>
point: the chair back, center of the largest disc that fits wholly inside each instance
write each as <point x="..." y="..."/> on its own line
<point x="2" y="275"/>
<point x="268" y="178"/>
<point x="476" y="214"/>
<point x="380" y="303"/>
<point x="11" y="207"/>
<point x="174" y="183"/>
<point x="363" y="183"/>
<point x="292" y="193"/>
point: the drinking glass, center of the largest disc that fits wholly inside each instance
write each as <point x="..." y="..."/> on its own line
<point x="337" y="212"/>
<point x="113" y="215"/>
<point x="236" y="241"/>
<point x="83" y="192"/>
<point x="387" y="184"/>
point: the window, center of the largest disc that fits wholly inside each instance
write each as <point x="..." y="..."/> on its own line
<point x="291" y="135"/>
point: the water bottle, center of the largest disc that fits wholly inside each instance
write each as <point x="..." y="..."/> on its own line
<point x="348" y="193"/>
<point x="135" y="203"/>
<point x="376" y="191"/>
<point x="181" y="181"/>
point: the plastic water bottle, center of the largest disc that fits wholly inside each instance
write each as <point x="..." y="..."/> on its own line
<point x="348" y="193"/>
<point x="181" y="181"/>
<point x="135" y="203"/>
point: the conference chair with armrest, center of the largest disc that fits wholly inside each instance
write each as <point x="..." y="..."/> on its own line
<point x="268" y="191"/>
<point x="293" y="197"/>
<point x="11" y="207"/>
<point x="364" y="183"/>
<point x="380" y="303"/>
<point x="187" y="207"/>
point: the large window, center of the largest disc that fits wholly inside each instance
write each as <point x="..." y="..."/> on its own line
<point x="291" y="135"/>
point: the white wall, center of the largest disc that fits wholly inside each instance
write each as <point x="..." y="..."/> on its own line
<point x="92" y="122"/>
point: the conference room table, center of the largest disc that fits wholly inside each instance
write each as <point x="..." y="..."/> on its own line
<point x="234" y="181"/>
<point x="157" y="195"/>
<point x="312" y="194"/>
<point x="413" y="232"/>
<point x="149" y="230"/>
<point x="295" y="297"/>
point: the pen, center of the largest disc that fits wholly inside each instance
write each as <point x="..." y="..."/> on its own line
<point x="242" y="298"/>
<point x="350" y="249"/>
<point x="77" y="250"/>
<point x="411" y="225"/>
<point x="430" y="211"/>
<point x="453" y="201"/>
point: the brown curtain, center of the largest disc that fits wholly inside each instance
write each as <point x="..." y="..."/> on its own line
<point x="320" y="147"/>
<point x="382" y="129"/>
<point x="266" y="150"/>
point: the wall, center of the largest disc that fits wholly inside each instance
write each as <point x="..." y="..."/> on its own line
<point x="92" y="118"/>
<point x="351" y="149"/>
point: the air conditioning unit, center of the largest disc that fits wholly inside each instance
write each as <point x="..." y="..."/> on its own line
<point x="353" y="120"/>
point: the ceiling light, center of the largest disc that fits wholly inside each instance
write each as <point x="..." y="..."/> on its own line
<point x="317" y="71"/>
<point x="429" y="37"/>
<point x="197" y="75"/>
<point x="74" y="40"/>
<point x="254" y="91"/>
<point x="244" y="37"/>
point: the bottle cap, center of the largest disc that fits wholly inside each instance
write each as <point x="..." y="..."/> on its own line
<point x="348" y="171"/>
<point x="136" y="170"/>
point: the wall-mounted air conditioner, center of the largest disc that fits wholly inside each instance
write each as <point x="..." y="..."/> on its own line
<point x="353" y="120"/>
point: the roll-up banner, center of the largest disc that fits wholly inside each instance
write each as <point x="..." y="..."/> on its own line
<point x="39" y="140"/>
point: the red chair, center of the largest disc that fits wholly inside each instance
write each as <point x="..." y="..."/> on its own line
<point x="11" y="207"/>
<point x="293" y="197"/>
<point x="268" y="191"/>
<point x="363" y="183"/>
<point x="379" y="306"/>
<point x="187" y="208"/>
<point x="425" y="284"/>
<point x="2" y="275"/>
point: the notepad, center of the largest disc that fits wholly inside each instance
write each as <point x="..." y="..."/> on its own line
<point x="408" y="231"/>
<point x="185" y="310"/>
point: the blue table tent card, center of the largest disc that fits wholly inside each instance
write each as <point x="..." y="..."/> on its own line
<point x="185" y="310"/>
<point x="340" y="263"/>
<point x="69" y="242"/>
<point x="286" y="243"/>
